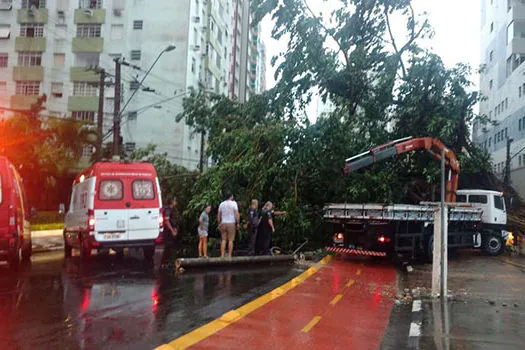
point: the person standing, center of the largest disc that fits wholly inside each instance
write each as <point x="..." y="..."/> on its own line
<point x="253" y="223"/>
<point x="204" y="221"/>
<point x="169" y="233"/>
<point x="266" y="228"/>
<point x="229" y="220"/>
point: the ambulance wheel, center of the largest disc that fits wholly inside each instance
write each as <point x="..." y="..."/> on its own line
<point x="149" y="252"/>
<point x="15" y="258"/>
<point x="85" y="251"/>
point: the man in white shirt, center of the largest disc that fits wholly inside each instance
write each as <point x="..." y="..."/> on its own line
<point x="229" y="219"/>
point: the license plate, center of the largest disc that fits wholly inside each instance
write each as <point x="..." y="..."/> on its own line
<point x="111" y="235"/>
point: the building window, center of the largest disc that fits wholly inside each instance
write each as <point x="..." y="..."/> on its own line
<point x="84" y="116"/>
<point x="519" y="160"/>
<point x="3" y="87"/>
<point x="26" y="4"/>
<point x="519" y="124"/>
<point x="132" y="115"/>
<point x="29" y="59"/>
<point x="4" y="60"/>
<point x="491" y="55"/>
<point x="135" y="55"/>
<point x="88" y="30"/>
<point x="84" y="88"/>
<point x="59" y="59"/>
<point x="138" y="25"/>
<point x="57" y="90"/>
<point x="134" y="85"/>
<point x="490" y="142"/>
<point x="90" y="4"/>
<point x="506" y="103"/>
<point x="193" y="64"/>
<point x="87" y="151"/>
<point x="519" y="91"/>
<point x="32" y="30"/>
<point x="27" y="88"/>
<point x="492" y="27"/>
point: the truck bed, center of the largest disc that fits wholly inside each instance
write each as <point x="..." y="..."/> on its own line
<point x="396" y="212"/>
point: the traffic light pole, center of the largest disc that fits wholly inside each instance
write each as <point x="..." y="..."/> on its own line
<point x="116" y="110"/>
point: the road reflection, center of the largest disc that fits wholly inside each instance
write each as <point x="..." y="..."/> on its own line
<point x="112" y="303"/>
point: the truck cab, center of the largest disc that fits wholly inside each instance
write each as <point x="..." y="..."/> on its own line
<point x="494" y="217"/>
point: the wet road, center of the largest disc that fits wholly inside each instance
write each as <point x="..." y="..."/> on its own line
<point x="118" y="304"/>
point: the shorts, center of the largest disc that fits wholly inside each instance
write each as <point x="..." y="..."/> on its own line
<point x="227" y="232"/>
<point x="202" y="233"/>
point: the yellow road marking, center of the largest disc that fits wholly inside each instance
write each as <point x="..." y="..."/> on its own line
<point x="350" y="283"/>
<point x="311" y="324"/>
<point x="358" y="272"/>
<point x="336" y="299"/>
<point x="233" y="316"/>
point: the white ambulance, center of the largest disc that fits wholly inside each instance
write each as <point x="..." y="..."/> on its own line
<point x="114" y="205"/>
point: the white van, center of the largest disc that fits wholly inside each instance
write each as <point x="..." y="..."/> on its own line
<point x="114" y="205"/>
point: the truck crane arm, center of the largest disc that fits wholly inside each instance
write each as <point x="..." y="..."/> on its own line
<point x="432" y="145"/>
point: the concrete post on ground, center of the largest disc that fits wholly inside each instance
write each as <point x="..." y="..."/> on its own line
<point x="440" y="251"/>
<point x="436" y="255"/>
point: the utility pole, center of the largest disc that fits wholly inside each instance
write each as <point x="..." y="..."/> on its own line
<point x="506" y="179"/>
<point x="116" y="110"/>
<point x="201" y="160"/>
<point x="100" y="117"/>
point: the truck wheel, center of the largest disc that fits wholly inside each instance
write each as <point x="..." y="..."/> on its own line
<point x="85" y="252"/>
<point x="27" y="252"/>
<point x="68" y="250"/>
<point x="493" y="245"/>
<point x="149" y="252"/>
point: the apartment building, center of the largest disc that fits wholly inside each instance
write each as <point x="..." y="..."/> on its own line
<point x="59" y="47"/>
<point x="502" y="85"/>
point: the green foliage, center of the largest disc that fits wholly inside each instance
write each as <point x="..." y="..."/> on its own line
<point x="382" y="88"/>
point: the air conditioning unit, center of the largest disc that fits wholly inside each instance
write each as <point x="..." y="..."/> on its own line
<point x="196" y="47"/>
<point x="196" y="19"/>
<point x="6" y="5"/>
<point x="204" y="28"/>
<point x="88" y="13"/>
<point x="117" y="12"/>
<point x="31" y="11"/>
<point x="61" y="13"/>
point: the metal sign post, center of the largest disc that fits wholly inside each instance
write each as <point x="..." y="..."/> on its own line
<point x="440" y="251"/>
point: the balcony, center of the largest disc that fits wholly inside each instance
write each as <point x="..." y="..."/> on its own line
<point x="83" y="74"/>
<point x="28" y="44"/>
<point x="88" y="45"/>
<point x="83" y="103"/>
<point x="35" y="73"/>
<point x="32" y="16"/>
<point x="516" y="46"/>
<point x="22" y="101"/>
<point x="90" y="16"/>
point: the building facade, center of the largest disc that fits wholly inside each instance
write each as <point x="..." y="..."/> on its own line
<point x="59" y="47"/>
<point x="502" y="85"/>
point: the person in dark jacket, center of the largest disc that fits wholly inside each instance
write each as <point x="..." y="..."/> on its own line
<point x="253" y="224"/>
<point x="266" y="228"/>
<point x="169" y="233"/>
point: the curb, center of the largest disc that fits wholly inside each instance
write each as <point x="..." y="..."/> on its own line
<point x="45" y="250"/>
<point x="415" y="326"/>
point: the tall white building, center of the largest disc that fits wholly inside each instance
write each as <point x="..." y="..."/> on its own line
<point x="57" y="47"/>
<point x="502" y="85"/>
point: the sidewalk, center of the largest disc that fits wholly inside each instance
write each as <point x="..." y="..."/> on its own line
<point x="486" y="308"/>
<point x="45" y="241"/>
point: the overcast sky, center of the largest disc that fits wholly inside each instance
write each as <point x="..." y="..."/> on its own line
<point x="456" y="24"/>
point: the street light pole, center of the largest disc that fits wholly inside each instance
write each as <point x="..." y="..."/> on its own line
<point x="167" y="49"/>
<point x="118" y="115"/>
